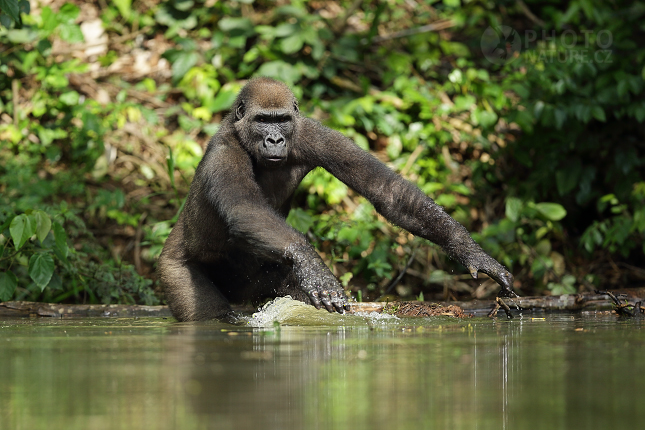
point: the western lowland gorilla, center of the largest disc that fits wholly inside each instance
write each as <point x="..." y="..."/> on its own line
<point x="232" y="243"/>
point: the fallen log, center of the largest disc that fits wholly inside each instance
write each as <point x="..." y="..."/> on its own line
<point x="568" y="302"/>
<point x="36" y="309"/>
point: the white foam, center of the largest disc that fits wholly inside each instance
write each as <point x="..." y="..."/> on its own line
<point x="278" y="310"/>
<point x="285" y="310"/>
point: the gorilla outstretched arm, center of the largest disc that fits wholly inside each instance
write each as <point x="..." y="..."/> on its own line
<point x="401" y="202"/>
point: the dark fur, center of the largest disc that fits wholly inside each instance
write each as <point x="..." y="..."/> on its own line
<point x="232" y="243"/>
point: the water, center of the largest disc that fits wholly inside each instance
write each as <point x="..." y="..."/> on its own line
<point x="544" y="371"/>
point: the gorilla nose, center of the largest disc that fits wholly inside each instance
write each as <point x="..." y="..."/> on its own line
<point x="274" y="140"/>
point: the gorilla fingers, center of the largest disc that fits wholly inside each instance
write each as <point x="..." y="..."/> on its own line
<point x="316" y="280"/>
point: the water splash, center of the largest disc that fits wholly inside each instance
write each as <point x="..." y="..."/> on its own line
<point x="287" y="311"/>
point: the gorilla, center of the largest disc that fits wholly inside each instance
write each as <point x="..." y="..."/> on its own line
<point x="231" y="242"/>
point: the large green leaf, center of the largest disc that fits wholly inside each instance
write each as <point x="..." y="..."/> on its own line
<point x="292" y="44"/>
<point x="566" y="179"/>
<point x="223" y="101"/>
<point x="8" y="284"/>
<point x="21" y="230"/>
<point x="70" y="98"/>
<point x="61" y="239"/>
<point x="68" y="13"/>
<point x="124" y="7"/>
<point x="236" y="27"/>
<point x="183" y="63"/>
<point x="300" y="220"/>
<point x="551" y="211"/>
<point x="43" y="225"/>
<point x="513" y="208"/>
<point x="41" y="269"/>
<point x="71" y="33"/>
<point x="280" y="70"/>
<point x="11" y="9"/>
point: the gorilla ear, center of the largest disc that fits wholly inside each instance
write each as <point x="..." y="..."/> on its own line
<point x="239" y="112"/>
<point x="295" y="106"/>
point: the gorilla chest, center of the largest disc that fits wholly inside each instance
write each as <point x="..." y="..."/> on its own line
<point x="278" y="185"/>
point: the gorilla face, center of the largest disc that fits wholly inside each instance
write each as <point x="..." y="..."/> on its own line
<point x="266" y="127"/>
<point x="273" y="131"/>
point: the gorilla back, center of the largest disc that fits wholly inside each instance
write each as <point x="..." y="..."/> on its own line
<point x="232" y="243"/>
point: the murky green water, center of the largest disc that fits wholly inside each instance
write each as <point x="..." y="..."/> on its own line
<point x="550" y="371"/>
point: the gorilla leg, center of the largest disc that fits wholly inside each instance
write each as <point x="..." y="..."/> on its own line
<point x="190" y="292"/>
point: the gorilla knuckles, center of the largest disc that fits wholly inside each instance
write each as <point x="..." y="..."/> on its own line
<point x="231" y="242"/>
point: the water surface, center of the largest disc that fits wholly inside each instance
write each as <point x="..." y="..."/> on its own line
<point x="540" y="371"/>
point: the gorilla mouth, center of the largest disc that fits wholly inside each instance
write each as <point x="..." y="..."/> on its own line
<point x="274" y="159"/>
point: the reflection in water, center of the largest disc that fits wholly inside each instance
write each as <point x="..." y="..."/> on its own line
<point x="559" y="372"/>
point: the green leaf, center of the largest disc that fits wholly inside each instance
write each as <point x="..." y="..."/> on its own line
<point x="483" y="118"/>
<point x="24" y="6"/>
<point x="183" y="5"/>
<point x="566" y="179"/>
<point x="5" y="21"/>
<point x="286" y="29"/>
<point x="280" y="70"/>
<point x="70" y="98"/>
<point x="223" y="101"/>
<point x="300" y="220"/>
<point x="551" y="211"/>
<point x="124" y="8"/>
<point x="236" y="27"/>
<point x="21" y="230"/>
<point x="71" y="33"/>
<point x="11" y="8"/>
<point x="8" y="284"/>
<point x="43" y="224"/>
<point x="598" y="113"/>
<point x="68" y="13"/>
<point x="183" y="63"/>
<point x="513" y="208"/>
<point x="560" y="117"/>
<point x="61" y="239"/>
<point x="543" y="247"/>
<point x="622" y="88"/>
<point x="639" y="112"/>
<point x="292" y="44"/>
<point x="49" y="19"/>
<point x="21" y="36"/>
<point x="41" y="269"/>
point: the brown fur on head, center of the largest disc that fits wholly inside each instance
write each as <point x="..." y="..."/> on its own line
<point x="264" y="93"/>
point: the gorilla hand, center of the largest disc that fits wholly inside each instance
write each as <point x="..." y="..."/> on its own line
<point x="320" y="285"/>
<point x="482" y="262"/>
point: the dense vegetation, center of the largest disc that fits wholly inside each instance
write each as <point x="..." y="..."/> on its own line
<point x="537" y="145"/>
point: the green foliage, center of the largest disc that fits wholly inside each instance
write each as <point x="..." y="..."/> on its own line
<point x="38" y="264"/>
<point x="11" y="10"/>
<point x="527" y="237"/>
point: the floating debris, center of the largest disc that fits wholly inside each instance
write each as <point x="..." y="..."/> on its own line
<point x="623" y="308"/>
<point x="423" y="309"/>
